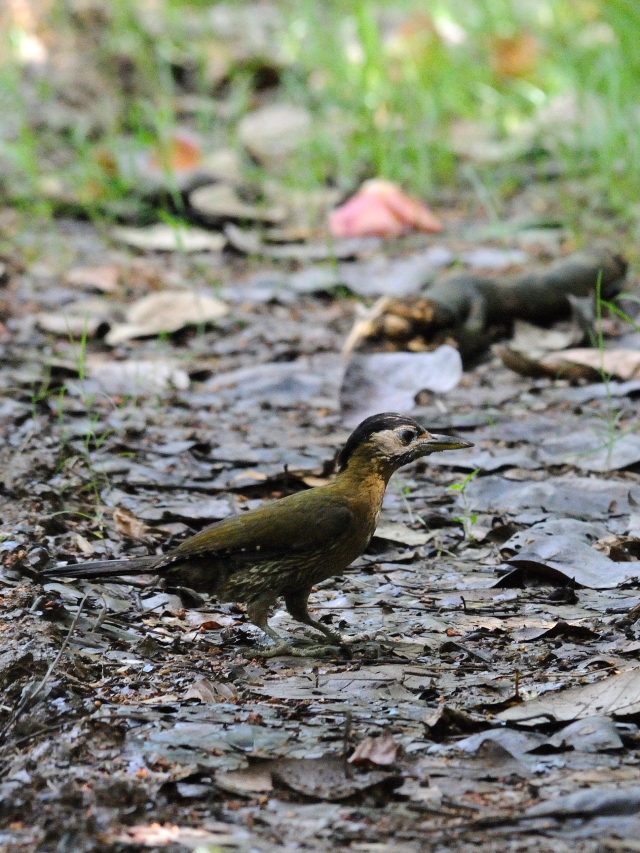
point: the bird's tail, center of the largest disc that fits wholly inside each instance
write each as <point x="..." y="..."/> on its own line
<point x="102" y="569"/>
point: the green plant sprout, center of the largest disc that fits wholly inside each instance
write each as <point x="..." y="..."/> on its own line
<point x="92" y="439"/>
<point x="467" y="519"/>
<point x="612" y="416"/>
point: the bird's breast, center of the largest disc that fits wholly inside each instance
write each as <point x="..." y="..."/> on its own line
<point x="365" y="502"/>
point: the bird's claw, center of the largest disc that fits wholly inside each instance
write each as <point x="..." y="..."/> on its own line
<point x="352" y="639"/>
<point x="315" y="640"/>
<point x="332" y="638"/>
<point x="284" y="649"/>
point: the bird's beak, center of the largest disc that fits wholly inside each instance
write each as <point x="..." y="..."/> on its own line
<point x="445" y="442"/>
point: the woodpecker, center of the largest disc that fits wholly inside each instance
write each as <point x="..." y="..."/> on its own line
<point x="282" y="549"/>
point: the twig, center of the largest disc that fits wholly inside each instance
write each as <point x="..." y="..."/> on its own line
<point x="31" y="695"/>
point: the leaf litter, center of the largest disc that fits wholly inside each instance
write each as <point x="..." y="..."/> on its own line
<point x="494" y="681"/>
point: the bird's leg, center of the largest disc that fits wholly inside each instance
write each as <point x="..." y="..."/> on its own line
<point x="297" y="605"/>
<point x="258" y="613"/>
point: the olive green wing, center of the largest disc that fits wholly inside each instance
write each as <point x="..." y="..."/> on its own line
<point x="294" y="524"/>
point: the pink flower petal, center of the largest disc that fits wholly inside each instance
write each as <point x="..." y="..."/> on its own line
<point x="381" y="209"/>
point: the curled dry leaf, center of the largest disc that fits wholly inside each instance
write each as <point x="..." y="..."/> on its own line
<point x="166" y="312"/>
<point x="620" y="549"/>
<point x="535" y="341"/>
<point x="104" y="278"/>
<point x="128" y="524"/>
<point x="618" y="695"/>
<point x="581" y="363"/>
<point x="326" y="778"/>
<point x="251" y="780"/>
<point x="273" y="132"/>
<point x="221" y="201"/>
<point x="84" y="545"/>
<point x="182" y="153"/>
<point x="77" y="319"/>
<point x="381" y="750"/>
<point x="169" y="238"/>
<point x="394" y="531"/>
<point x="592" y="734"/>
<point x="622" y="363"/>
<point x="138" y="377"/>
<point x="591" y="802"/>
<point x="203" y="690"/>
<point x="152" y="834"/>
<point x="161" y="835"/>
<point x="567" y="559"/>
<point x="381" y="209"/>
<point x="389" y="381"/>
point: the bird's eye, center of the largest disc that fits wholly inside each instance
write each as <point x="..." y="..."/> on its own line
<point x="407" y="435"/>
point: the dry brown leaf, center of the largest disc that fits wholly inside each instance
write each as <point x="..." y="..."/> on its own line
<point x="622" y="363"/>
<point x="84" y="545"/>
<point x="161" y="835"/>
<point x="221" y="201"/>
<point x="203" y="690"/>
<point x="326" y="778"/>
<point x="620" y="549"/>
<point x="169" y="238"/>
<point x="209" y="621"/>
<point x="381" y="750"/>
<point x="128" y="524"/>
<point x="395" y="531"/>
<point x="104" y="278"/>
<point x="581" y="363"/>
<point x="182" y="153"/>
<point x="153" y="834"/>
<point x="252" y="780"/>
<point x="68" y="325"/>
<point x="223" y="164"/>
<point x="137" y="377"/>
<point x="273" y="132"/>
<point x="536" y="342"/>
<point x="389" y="381"/>
<point x="166" y="312"/>
<point x="77" y="319"/>
<point x="618" y="695"/>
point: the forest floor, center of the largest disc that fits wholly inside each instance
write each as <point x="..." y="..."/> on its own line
<point x="138" y="718"/>
<point x="496" y="704"/>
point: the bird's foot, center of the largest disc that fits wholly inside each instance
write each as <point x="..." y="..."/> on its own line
<point x="352" y="639"/>
<point x="283" y="649"/>
<point x="331" y="638"/>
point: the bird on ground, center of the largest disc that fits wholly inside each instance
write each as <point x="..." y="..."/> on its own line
<point x="284" y="548"/>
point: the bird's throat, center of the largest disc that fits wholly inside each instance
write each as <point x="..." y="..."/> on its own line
<point x="365" y="466"/>
<point x="365" y="480"/>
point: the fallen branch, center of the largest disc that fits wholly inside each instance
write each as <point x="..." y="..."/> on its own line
<point x="471" y="311"/>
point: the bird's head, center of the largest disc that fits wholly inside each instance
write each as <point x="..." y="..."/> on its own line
<point x="392" y="440"/>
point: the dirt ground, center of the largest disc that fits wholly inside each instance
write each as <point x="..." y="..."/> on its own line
<point x="134" y="717"/>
